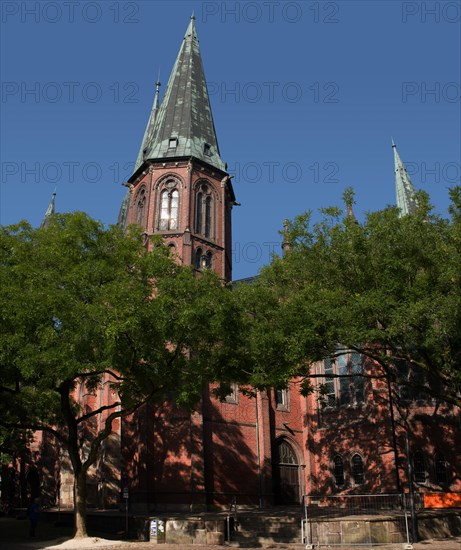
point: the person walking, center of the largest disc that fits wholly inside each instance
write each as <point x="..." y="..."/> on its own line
<point x="32" y="513"/>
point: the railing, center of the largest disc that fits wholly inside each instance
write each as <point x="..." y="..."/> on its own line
<point x="355" y="520"/>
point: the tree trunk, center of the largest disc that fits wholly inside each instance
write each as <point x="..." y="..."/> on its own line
<point x="80" y="505"/>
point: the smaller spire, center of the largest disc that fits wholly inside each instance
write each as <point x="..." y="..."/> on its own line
<point x="149" y="132"/>
<point x="49" y="211"/>
<point x="286" y="245"/>
<point x="123" y="212"/>
<point x="348" y="198"/>
<point x="404" y="189"/>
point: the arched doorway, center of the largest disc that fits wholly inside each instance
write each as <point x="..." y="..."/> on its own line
<point x="286" y="474"/>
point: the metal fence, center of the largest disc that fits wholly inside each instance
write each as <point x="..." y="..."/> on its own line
<point x="355" y="521"/>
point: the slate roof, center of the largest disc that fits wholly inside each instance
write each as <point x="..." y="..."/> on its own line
<point x="185" y="112"/>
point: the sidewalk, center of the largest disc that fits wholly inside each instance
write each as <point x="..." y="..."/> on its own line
<point x="14" y="535"/>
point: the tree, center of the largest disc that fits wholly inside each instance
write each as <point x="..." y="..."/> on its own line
<point x="80" y="303"/>
<point x="389" y="288"/>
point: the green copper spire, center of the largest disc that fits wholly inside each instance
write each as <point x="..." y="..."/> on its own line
<point x="404" y="190"/>
<point x="184" y="124"/>
<point x="49" y="211"/>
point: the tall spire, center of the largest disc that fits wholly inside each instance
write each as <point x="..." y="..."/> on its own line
<point x="404" y="190"/>
<point x="184" y="125"/>
<point x="49" y="211"/>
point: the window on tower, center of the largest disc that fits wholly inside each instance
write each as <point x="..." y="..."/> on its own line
<point x="140" y="206"/>
<point x="172" y="143"/>
<point x="169" y="207"/>
<point x="198" y="258"/>
<point x="204" y="211"/>
<point x="203" y="261"/>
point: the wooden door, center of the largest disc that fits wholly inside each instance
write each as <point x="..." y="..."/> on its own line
<point x="286" y="474"/>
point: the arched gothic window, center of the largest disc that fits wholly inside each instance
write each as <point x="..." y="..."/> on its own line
<point x="141" y="206"/>
<point x="169" y="207"/>
<point x="198" y="258"/>
<point x="419" y="466"/>
<point x="204" y="211"/>
<point x="358" y="470"/>
<point x="203" y="261"/>
<point x="338" y="470"/>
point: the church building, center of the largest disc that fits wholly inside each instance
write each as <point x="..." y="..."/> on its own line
<point x="277" y="446"/>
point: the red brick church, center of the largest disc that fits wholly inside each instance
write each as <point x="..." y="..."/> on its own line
<point x="279" y="445"/>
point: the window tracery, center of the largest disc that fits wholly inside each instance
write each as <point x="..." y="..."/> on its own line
<point x="168" y="204"/>
<point x="204" y="211"/>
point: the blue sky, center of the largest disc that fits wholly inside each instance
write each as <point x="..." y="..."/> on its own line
<point x="305" y="97"/>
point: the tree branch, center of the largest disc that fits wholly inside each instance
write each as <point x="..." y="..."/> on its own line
<point x="97" y="411"/>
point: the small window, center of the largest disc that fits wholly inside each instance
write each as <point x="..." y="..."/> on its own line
<point x="441" y="474"/>
<point x="208" y="260"/>
<point x="338" y="470"/>
<point x="358" y="471"/>
<point x="207" y="149"/>
<point x="281" y="398"/>
<point x="419" y="466"/>
<point x="172" y="143"/>
<point x="233" y="396"/>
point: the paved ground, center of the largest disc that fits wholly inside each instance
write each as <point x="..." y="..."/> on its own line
<point x="14" y="535"/>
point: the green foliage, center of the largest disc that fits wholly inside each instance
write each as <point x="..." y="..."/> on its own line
<point x="348" y="197"/>
<point x="389" y="288"/>
<point x="81" y="302"/>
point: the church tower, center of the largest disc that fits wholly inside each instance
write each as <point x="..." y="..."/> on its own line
<point x="180" y="188"/>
